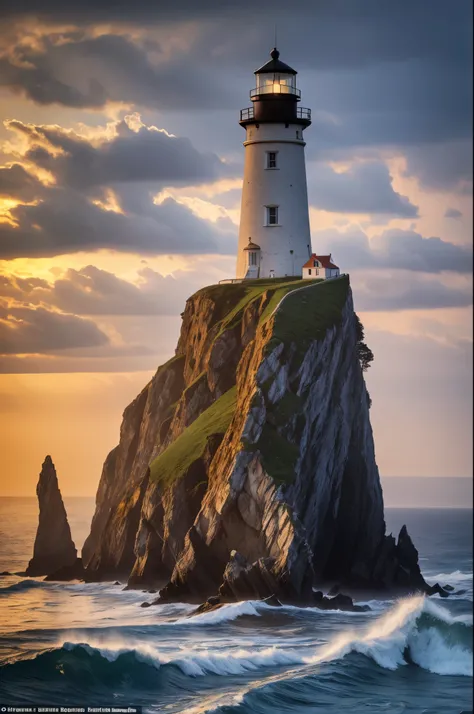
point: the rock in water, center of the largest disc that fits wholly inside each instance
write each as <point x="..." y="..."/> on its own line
<point x="246" y="466"/>
<point x="54" y="548"/>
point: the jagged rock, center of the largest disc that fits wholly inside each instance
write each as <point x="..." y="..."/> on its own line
<point x="117" y="583"/>
<point x="243" y="581"/>
<point x="282" y="493"/>
<point x="339" y="602"/>
<point x="449" y="588"/>
<point x="212" y="603"/>
<point x="54" y="548"/>
<point x="146" y="604"/>
<point x="5" y="572"/>
<point x="68" y="572"/>
<point x="436" y="589"/>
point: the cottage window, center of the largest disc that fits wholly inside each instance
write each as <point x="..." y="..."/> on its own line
<point x="271" y="159"/>
<point x="316" y="263"/>
<point x="272" y="215"/>
<point x="309" y="271"/>
<point x="316" y="272"/>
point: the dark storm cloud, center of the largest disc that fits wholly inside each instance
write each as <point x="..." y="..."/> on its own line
<point x="28" y="330"/>
<point x="376" y="74"/>
<point x="394" y="248"/>
<point x="335" y="31"/>
<point x="364" y="188"/>
<point x="67" y="222"/>
<point x="378" y="57"/>
<point x="17" y="183"/>
<point x="388" y="293"/>
<point x="146" y="155"/>
<point x="67" y="218"/>
<point x="91" y="71"/>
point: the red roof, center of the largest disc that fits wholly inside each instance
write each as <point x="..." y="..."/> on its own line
<point x="324" y="261"/>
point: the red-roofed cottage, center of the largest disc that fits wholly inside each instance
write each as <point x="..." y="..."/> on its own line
<point x="320" y="266"/>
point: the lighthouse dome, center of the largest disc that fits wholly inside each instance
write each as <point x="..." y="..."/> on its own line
<point x="275" y="65"/>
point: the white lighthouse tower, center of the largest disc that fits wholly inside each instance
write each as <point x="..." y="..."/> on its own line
<point x="274" y="236"/>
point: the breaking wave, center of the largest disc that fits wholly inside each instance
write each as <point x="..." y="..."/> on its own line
<point x="22" y="586"/>
<point x="415" y="631"/>
<point x="457" y="576"/>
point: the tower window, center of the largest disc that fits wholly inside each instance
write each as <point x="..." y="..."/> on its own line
<point x="252" y="258"/>
<point x="272" y="159"/>
<point x="298" y="134"/>
<point x="272" y="215"/>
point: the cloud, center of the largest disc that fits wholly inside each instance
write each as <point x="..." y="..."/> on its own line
<point x="389" y="292"/>
<point x="31" y="330"/>
<point x="442" y="167"/>
<point x="354" y="68"/>
<point x="366" y="187"/>
<point x="67" y="222"/>
<point x="16" y="183"/>
<point x="452" y="213"/>
<point x="80" y="211"/>
<point x="80" y="71"/>
<point x="91" y="291"/>
<point x="393" y="248"/>
<point x="132" y="152"/>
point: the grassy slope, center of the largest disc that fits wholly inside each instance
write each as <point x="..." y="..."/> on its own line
<point x="307" y="314"/>
<point x="190" y="445"/>
<point x="233" y="298"/>
<point x="301" y="319"/>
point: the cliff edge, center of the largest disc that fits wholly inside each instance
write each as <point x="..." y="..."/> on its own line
<point x="246" y="465"/>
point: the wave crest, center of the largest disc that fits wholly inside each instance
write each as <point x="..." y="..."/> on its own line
<point x="415" y="631"/>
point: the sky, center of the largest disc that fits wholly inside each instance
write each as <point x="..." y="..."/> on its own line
<point x="121" y="164"/>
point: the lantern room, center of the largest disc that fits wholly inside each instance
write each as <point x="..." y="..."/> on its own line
<point x="275" y="77"/>
<point x="275" y="96"/>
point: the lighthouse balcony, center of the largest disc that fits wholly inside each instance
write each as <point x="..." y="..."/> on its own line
<point x="274" y="88"/>
<point x="301" y="116"/>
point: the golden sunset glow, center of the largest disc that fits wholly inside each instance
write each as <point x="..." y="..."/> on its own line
<point x="120" y="195"/>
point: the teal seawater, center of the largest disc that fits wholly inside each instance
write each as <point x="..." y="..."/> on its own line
<point x="75" y="643"/>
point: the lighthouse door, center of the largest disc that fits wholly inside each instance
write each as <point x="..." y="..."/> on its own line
<point x="253" y="268"/>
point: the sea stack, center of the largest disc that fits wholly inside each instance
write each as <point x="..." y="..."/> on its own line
<point x="54" y="548"/>
<point x="246" y="466"/>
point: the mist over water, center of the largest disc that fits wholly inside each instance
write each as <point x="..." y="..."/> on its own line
<point x="77" y="643"/>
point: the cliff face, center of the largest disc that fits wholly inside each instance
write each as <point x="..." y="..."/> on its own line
<point x="53" y="548"/>
<point x="247" y="464"/>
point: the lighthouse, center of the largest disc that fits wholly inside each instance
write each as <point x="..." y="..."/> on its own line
<point x="274" y="235"/>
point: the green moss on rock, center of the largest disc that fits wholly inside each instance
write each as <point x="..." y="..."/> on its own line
<point x="190" y="445"/>
<point x="307" y="314"/>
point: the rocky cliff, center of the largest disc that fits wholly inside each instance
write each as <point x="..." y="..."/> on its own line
<point x="247" y="464"/>
<point x="54" y="548"/>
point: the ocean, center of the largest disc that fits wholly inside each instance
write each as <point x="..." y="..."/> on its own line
<point x="76" y="644"/>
